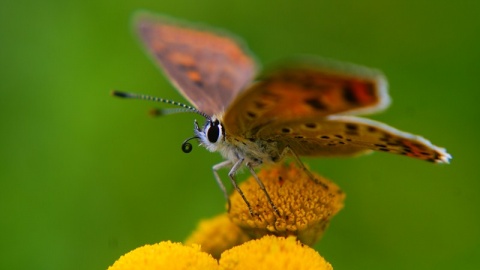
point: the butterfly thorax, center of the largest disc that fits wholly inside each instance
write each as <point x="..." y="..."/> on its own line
<point x="253" y="151"/>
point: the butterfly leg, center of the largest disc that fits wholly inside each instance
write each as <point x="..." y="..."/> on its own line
<point x="302" y="166"/>
<point x="231" y="174"/>
<point x="215" y="169"/>
<point x="262" y="187"/>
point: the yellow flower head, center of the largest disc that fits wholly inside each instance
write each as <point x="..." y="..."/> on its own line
<point x="165" y="255"/>
<point x="271" y="252"/>
<point x="217" y="235"/>
<point x="305" y="206"/>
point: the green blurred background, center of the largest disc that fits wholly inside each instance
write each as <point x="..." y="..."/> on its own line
<point x="86" y="177"/>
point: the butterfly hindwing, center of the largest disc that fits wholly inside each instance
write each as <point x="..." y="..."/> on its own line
<point x="348" y="135"/>
<point x="208" y="67"/>
<point x="307" y="90"/>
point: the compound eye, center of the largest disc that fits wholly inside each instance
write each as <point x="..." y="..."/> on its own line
<point x="213" y="132"/>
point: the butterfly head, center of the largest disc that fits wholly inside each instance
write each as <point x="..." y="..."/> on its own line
<point x="211" y="135"/>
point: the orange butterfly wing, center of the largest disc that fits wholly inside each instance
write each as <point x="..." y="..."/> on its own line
<point x="305" y="107"/>
<point x="307" y="90"/>
<point x="208" y="67"/>
<point x="348" y="135"/>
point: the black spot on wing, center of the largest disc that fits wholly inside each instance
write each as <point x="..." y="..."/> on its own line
<point x="349" y="94"/>
<point x="259" y="104"/>
<point x="198" y="83"/>
<point x="286" y="130"/>
<point x="251" y="114"/>
<point x="372" y="129"/>
<point x="351" y="126"/>
<point x="315" y="104"/>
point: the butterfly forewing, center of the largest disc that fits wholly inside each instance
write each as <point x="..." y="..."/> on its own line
<point x="208" y="67"/>
<point x="307" y="90"/>
<point x="348" y="135"/>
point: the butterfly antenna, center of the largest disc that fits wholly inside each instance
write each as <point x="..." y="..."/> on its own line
<point x="156" y="112"/>
<point x="185" y="108"/>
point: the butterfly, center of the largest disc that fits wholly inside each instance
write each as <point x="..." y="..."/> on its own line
<point x="303" y="108"/>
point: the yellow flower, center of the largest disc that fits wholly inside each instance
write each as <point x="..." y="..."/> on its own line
<point x="165" y="255"/>
<point x="271" y="252"/>
<point x="305" y="206"/>
<point x="217" y="235"/>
